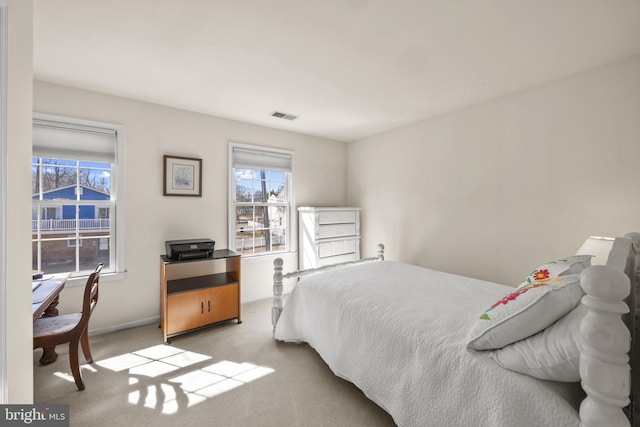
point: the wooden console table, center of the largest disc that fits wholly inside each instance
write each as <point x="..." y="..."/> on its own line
<point x="199" y="293"/>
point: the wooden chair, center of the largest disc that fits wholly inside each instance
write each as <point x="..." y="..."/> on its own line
<point x="70" y="328"/>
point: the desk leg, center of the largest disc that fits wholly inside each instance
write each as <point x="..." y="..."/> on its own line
<point x="52" y="310"/>
<point x="49" y="354"/>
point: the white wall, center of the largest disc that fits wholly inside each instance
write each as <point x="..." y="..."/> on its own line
<point x="19" y="106"/>
<point x="153" y="130"/>
<point x="493" y="190"/>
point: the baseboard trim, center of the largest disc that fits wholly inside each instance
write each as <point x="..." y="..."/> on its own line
<point x="123" y="326"/>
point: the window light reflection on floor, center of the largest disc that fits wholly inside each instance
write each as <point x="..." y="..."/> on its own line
<point x="182" y="389"/>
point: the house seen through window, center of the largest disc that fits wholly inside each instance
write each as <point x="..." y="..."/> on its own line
<point x="261" y="199"/>
<point x="71" y="224"/>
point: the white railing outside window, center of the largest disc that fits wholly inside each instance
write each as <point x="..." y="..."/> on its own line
<point x="102" y="224"/>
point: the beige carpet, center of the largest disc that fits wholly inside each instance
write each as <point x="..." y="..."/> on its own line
<point x="227" y="375"/>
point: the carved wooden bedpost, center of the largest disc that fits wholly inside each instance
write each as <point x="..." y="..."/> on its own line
<point x="277" y="291"/>
<point x="604" y="360"/>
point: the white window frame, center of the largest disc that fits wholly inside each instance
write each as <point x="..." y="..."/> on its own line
<point x="71" y="243"/>
<point x="232" y="197"/>
<point x="117" y="214"/>
<point x="46" y="209"/>
<point x="102" y="209"/>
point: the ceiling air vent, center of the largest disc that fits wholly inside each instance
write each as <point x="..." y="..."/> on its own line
<point x="282" y="115"/>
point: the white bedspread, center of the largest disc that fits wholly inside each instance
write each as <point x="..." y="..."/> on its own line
<point x="399" y="332"/>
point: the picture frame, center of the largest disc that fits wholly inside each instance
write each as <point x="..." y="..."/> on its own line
<point x="182" y="176"/>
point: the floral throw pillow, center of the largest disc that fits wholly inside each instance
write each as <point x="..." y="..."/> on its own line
<point x="525" y="311"/>
<point x="571" y="265"/>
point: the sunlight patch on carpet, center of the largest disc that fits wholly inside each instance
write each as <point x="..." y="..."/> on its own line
<point x="166" y="379"/>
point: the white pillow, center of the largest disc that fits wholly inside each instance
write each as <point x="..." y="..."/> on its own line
<point x="525" y="312"/>
<point x="571" y="265"/>
<point x="553" y="354"/>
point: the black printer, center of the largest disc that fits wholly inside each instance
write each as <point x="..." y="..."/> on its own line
<point x="183" y="250"/>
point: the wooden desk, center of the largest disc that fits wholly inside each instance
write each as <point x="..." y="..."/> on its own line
<point x="45" y="299"/>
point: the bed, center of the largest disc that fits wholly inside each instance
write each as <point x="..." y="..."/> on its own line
<point x="557" y="350"/>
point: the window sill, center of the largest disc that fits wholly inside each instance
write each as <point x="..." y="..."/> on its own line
<point x="78" y="281"/>
<point x="249" y="259"/>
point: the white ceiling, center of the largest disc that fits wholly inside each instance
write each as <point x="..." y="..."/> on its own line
<point x="348" y="68"/>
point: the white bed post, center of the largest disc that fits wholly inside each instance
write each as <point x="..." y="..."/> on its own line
<point x="604" y="360"/>
<point x="276" y="309"/>
<point x="279" y="276"/>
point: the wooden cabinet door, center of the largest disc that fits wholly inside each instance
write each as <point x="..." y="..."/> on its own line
<point x="224" y="303"/>
<point x="187" y="310"/>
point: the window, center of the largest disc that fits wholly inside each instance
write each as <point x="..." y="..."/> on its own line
<point x="261" y="199"/>
<point x="76" y="214"/>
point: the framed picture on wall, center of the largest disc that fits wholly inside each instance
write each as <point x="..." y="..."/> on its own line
<point x="182" y="176"/>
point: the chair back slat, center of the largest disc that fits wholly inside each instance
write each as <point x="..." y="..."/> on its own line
<point x="90" y="296"/>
